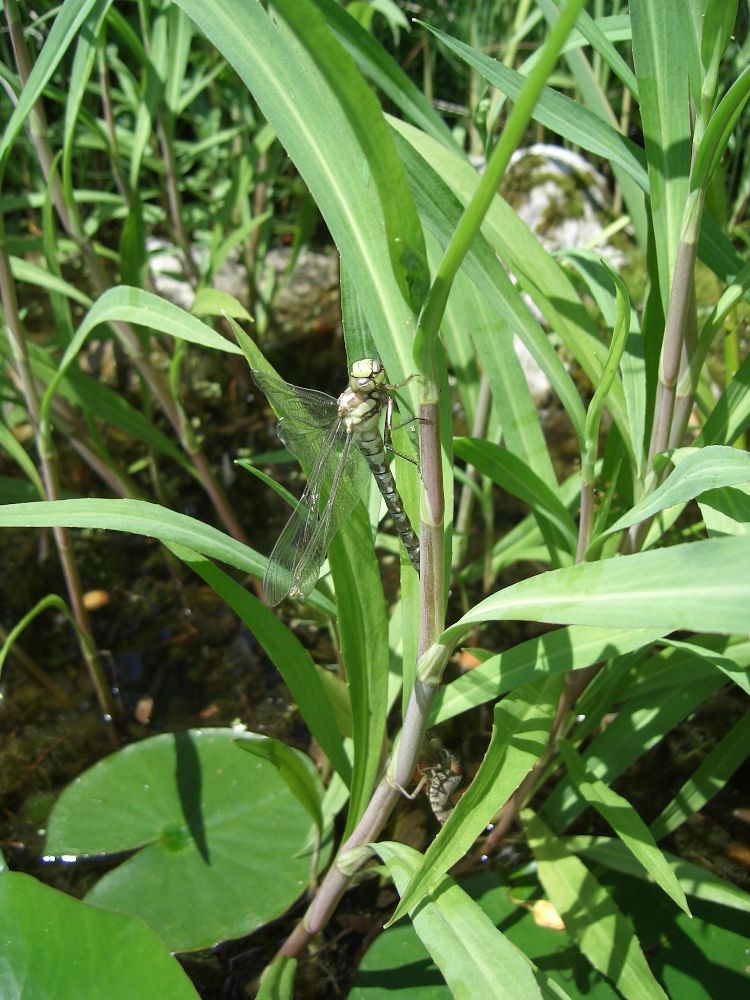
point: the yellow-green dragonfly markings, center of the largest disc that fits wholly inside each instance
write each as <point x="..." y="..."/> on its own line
<point x="339" y="441"/>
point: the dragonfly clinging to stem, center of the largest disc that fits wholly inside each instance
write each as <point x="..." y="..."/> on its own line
<point x="339" y="442"/>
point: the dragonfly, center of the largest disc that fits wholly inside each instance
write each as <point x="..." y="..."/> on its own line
<point x="339" y="441"/>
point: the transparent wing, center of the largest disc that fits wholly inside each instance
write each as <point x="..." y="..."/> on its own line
<point x="306" y="407"/>
<point x="338" y="477"/>
<point x="341" y="501"/>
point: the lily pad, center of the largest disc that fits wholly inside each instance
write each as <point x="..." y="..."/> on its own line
<point x="222" y="845"/>
<point x="56" y="946"/>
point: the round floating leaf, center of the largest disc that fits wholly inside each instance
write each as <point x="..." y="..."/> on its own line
<point x="222" y="844"/>
<point x="56" y="946"/>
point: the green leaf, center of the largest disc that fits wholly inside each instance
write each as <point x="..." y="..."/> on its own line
<point x="701" y="586"/>
<point x="665" y="115"/>
<point x="697" y="882"/>
<point x="363" y="630"/>
<point x="642" y="720"/>
<point x="519" y="735"/>
<point x="513" y="475"/>
<point x="696" y="471"/>
<point x="555" y="652"/>
<point x="132" y="305"/>
<point x="625" y="822"/>
<point x="736" y="671"/>
<point x="473" y="956"/>
<point x="218" y="843"/>
<point x="562" y="115"/>
<point x="214" y="302"/>
<point x="365" y="119"/>
<point x="539" y="274"/>
<point x="291" y="659"/>
<point x="62" y="34"/>
<point x="731" y="415"/>
<point x="311" y="120"/>
<point x="708" y="780"/>
<point x="33" y="274"/>
<point x="277" y="981"/>
<point x="591" y="917"/>
<point x="13" y="447"/>
<point x="443" y="183"/>
<point x="719" y="131"/>
<point x="140" y="518"/>
<point x="726" y="511"/>
<point x="385" y="72"/>
<point x="300" y="780"/>
<point x="85" y="949"/>
<point x="691" y="957"/>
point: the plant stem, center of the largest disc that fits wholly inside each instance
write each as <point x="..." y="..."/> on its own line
<point x="673" y="359"/>
<point x="174" y="199"/>
<point x="386" y="795"/>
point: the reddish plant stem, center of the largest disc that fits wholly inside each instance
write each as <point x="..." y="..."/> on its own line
<point x="386" y="795"/>
<point x="49" y="473"/>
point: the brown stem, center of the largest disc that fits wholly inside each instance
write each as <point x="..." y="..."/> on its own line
<point x="681" y="302"/>
<point x="49" y="472"/>
<point x="120" y="176"/>
<point x="174" y="199"/>
<point x="386" y="795"/>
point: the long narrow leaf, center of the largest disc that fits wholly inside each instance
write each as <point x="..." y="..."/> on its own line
<point x="601" y="931"/>
<point x="563" y="649"/>
<point x="62" y="34"/>
<point x="519" y="735"/>
<point x="289" y="657"/>
<point x="697" y="470"/>
<point x="703" y="586"/>
<point x="363" y="630"/>
<point x="312" y="124"/>
<point x="625" y="822"/>
<point x="477" y="960"/>
<point x="708" y="780"/>
<point x="556" y="112"/>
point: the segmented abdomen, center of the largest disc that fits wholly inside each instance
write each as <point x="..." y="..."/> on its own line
<point x="371" y="445"/>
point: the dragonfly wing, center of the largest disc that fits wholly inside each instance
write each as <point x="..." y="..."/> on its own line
<point x="338" y="478"/>
<point x="304" y="406"/>
<point x="280" y="575"/>
<point x="347" y="485"/>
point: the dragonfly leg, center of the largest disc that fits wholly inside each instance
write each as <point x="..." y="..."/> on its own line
<point x="406" y="381"/>
<point x="411" y="420"/>
<point x="400" y="788"/>
<point x="389" y="428"/>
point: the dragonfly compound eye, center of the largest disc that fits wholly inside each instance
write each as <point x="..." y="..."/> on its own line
<point x="362" y="369"/>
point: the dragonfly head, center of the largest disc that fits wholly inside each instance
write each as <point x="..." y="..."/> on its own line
<point x="366" y="374"/>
